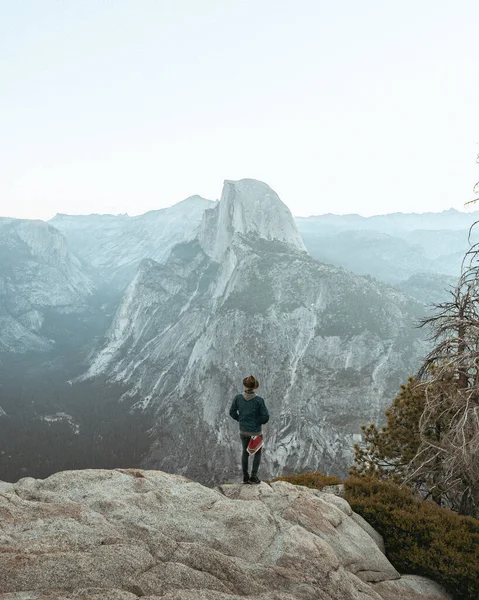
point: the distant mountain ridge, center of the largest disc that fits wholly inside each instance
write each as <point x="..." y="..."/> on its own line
<point x="393" y="223"/>
<point x="114" y="246"/>
<point x="392" y="248"/>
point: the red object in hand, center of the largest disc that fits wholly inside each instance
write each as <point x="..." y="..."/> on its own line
<point x="255" y="444"/>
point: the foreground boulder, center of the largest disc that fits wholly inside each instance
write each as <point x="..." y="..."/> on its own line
<point x="118" y="535"/>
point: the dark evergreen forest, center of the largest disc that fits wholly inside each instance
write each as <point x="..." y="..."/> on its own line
<point x="95" y="428"/>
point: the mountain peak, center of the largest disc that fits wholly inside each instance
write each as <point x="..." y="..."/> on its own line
<point x="194" y="203"/>
<point x="247" y="207"/>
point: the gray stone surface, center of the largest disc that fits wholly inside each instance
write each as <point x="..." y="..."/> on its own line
<point x="117" y="535"/>
<point x="321" y="515"/>
<point x="411" y="587"/>
<point x="369" y="529"/>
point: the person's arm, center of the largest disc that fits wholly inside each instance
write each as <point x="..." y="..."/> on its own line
<point x="234" y="410"/>
<point x="263" y="413"/>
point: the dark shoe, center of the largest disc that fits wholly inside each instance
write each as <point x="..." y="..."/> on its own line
<point x="254" y="479"/>
<point x="246" y="479"/>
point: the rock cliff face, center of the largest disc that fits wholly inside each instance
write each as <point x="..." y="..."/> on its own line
<point x="329" y="348"/>
<point x="123" y="534"/>
<point x="37" y="275"/>
<point x="247" y="207"/>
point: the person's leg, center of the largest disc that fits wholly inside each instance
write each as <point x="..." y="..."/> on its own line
<point x="245" y="456"/>
<point x="256" y="463"/>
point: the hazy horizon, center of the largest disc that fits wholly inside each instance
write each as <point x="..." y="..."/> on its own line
<point x="471" y="211"/>
<point x="344" y="108"/>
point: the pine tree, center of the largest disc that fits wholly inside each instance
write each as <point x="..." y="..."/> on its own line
<point x="392" y="452"/>
<point x="386" y="453"/>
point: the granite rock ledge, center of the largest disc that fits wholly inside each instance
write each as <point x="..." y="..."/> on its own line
<point x="122" y="534"/>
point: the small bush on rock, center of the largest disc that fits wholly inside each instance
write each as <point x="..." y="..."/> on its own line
<point x="420" y="537"/>
<point x="313" y="480"/>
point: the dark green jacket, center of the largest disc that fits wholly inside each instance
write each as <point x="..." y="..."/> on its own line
<point x="251" y="414"/>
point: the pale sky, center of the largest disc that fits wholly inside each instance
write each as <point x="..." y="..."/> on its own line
<point x="363" y="106"/>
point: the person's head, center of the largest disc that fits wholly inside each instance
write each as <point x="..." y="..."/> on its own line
<point x="250" y="383"/>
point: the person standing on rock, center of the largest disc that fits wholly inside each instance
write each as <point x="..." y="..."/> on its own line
<point x="251" y="412"/>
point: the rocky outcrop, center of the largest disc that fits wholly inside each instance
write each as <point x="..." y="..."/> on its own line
<point x="247" y="207"/>
<point x="410" y="587"/>
<point x="118" y="535"/>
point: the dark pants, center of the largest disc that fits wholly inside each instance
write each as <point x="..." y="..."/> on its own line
<point x="244" y="458"/>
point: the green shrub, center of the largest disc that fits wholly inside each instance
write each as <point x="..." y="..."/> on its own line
<point x="420" y="537"/>
<point x="313" y="480"/>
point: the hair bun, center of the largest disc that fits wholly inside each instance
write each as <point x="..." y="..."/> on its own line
<point x="250" y="383"/>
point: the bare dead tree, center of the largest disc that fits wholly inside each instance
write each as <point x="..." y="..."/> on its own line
<point x="448" y="455"/>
